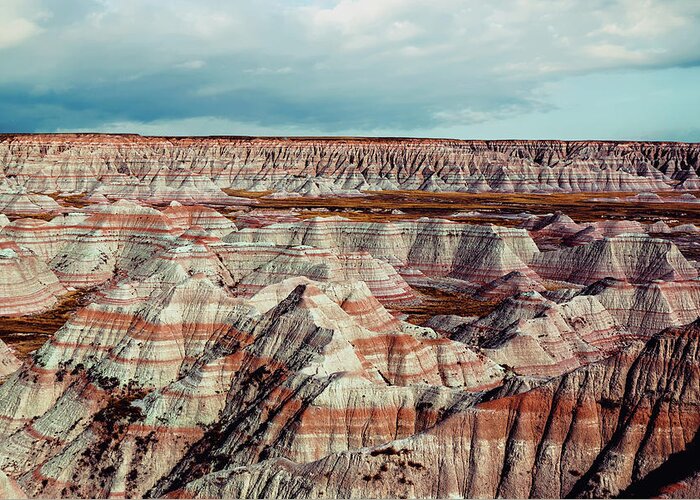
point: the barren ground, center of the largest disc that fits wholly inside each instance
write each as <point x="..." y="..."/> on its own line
<point x="27" y="333"/>
<point x="579" y="206"/>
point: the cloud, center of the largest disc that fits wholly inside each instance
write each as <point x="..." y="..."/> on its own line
<point x="195" y="64"/>
<point x="408" y="66"/>
<point x="470" y="116"/>
<point x="646" y="18"/>
<point x="199" y="125"/>
<point x="15" y="31"/>
<point x="18" y="22"/>
<point x="268" y="71"/>
<point x="617" y="53"/>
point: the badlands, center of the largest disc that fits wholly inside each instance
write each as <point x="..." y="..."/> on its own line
<point x="337" y="318"/>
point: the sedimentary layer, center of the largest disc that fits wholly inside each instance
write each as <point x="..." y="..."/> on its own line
<point x="175" y="341"/>
<point x="131" y="166"/>
<point x="594" y="432"/>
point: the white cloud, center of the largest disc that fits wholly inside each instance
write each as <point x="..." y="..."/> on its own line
<point x="194" y="64"/>
<point x="15" y="31"/>
<point x="368" y="24"/>
<point x="352" y="16"/>
<point x="145" y="36"/>
<point x="647" y="18"/>
<point x="616" y="53"/>
<point x="464" y="116"/>
<point x="471" y="116"/>
<point x="262" y="70"/>
<point x="18" y="22"/>
<point x="197" y="125"/>
<point x="400" y="31"/>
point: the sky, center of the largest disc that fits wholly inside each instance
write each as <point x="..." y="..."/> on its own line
<point x="467" y="69"/>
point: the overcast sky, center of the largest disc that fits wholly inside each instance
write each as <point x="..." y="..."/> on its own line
<point x="562" y="69"/>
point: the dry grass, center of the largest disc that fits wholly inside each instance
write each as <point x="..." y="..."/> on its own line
<point x="27" y="333"/>
<point x="77" y="201"/>
<point x="378" y="206"/>
<point x="254" y="195"/>
<point x="443" y="302"/>
<point x="46" y="217"/>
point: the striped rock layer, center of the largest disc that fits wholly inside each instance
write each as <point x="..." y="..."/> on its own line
<point x="187" y="169"/>
<point x="594" y="432"/>
<point x="291" y="373"/>
<point x="8" y="361"/>
<point x="27" y="285"/>
<point x="430" y="246"/>
<point x="636" y="258"/>
<point x="264" y="356"/>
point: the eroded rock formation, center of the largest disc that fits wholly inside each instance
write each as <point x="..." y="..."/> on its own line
<point x="592" y="432"/>
<point x="194" y="169"/>
<point x="308" y="351"/>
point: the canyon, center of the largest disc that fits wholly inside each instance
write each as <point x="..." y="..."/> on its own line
<point x="203" y="317"/>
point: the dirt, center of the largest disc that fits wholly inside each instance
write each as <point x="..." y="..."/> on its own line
<point x="27" y="333"/>
<point x="437" y="302"/>
<point x="377" y="206"/>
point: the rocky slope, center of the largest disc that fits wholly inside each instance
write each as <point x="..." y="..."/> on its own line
<point x="537" y="337"/>
<point x="27" y="285"/>
<point x="593" y="432"/>
<point x="427" y="246"/>
<point x="636" y="258"/>
<point x="194" y="169"/>
<point x="271" y="369"/>
<point x="8" y="361"/>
